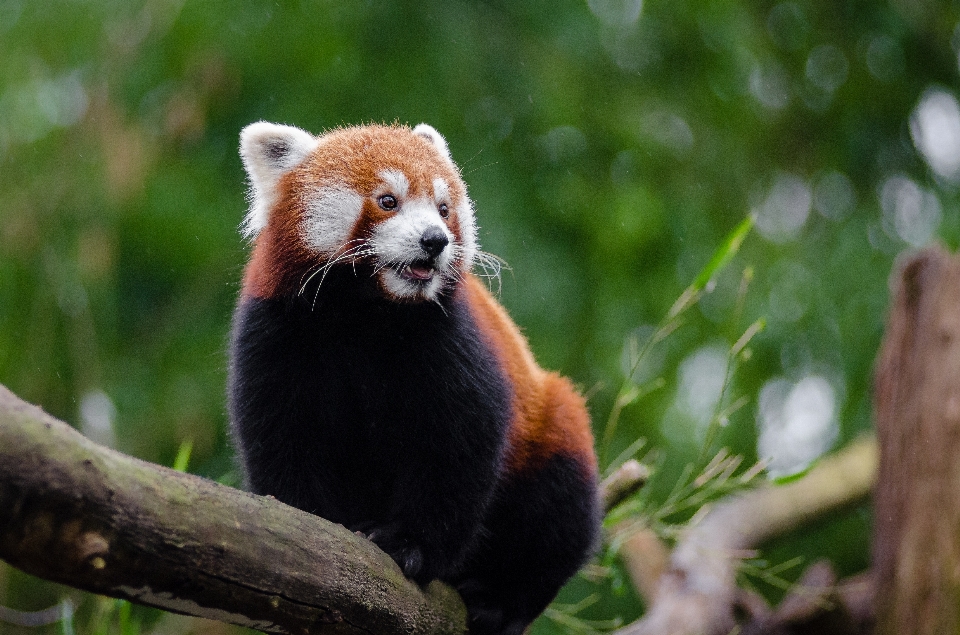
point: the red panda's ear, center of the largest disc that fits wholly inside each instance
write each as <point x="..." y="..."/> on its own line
<point x="430" y="134"/>
<point x="268" y="151"/>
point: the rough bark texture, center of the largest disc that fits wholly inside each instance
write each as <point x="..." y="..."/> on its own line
<point x="83" y="515"/>
<point x="917" y="543"/>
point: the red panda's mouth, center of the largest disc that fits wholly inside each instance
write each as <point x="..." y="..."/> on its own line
<point x="419" y="272"/>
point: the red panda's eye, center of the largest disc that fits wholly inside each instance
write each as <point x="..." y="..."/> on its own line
<point x="387" y="202"/>
<point x="444" y="210"/>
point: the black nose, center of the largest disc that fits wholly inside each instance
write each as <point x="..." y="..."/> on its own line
<point x="433" y="241"/>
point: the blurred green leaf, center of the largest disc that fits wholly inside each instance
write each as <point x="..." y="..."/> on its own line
<point x="183" y="456"/>
<point x="726" y="251"/>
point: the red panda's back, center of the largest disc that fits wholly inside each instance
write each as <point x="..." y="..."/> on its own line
<point x="550" y="417"/>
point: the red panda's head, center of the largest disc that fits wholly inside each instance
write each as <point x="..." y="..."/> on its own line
<point x="386" y="196"/>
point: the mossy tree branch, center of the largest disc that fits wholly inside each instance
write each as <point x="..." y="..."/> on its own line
<point x="87" y="516"/>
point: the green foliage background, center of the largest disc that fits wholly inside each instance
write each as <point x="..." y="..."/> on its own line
<point x="609" y="148"/>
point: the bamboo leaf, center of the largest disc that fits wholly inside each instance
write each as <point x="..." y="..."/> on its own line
<point x="724" y="253"/>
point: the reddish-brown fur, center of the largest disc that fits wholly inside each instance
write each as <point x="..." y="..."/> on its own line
<point x="491" y="482"/>
<point x="353" y="157"/>
<point x="549" y="416"/>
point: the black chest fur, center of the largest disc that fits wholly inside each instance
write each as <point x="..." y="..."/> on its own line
<point x="344" y="404"/>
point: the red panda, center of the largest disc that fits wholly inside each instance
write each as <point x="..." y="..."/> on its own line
<point x="374" y="381"/>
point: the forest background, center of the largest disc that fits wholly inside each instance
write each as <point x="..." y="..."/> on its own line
<point x="610" y="146"/>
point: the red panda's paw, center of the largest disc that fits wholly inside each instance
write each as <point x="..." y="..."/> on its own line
<point x="407" y="554"/>
<point x="485" y="616"/>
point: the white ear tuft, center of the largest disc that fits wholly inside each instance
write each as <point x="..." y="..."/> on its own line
<point x="268" y="151"/>
<point x="430" y="133"/>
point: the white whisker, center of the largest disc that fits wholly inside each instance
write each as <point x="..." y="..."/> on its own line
<point x="492" y="267"/>
<point x="342" y="253"/>
<point x="312" y="271"/>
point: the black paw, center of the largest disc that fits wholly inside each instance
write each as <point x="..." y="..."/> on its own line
<point x="493" y="621"/>
<point x="485" y="615"/>
<point x="485" y="621"/>
<point x="408" y="555"/>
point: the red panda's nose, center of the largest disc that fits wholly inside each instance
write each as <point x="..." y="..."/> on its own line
<point x="433" y="241"/>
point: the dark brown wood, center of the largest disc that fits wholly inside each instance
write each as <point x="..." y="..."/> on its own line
<point x="916" y="548"/>
<point x="83" y="515"/>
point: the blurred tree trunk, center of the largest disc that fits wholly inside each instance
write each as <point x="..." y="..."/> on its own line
<point x="917" y="536"/>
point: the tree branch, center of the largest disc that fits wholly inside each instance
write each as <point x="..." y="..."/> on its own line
<point x="697" y="592"/>
<point x="92" y="518"/>
<point x="96" y="519"/>
<point x="625" y="481"/>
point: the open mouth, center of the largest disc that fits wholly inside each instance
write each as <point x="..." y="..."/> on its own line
<point x="418" y="272"/>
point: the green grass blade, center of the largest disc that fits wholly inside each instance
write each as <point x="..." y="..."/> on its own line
<point x="724" y="253"/>
<point x="66" y="617"/>
<point x="183" y="456"/>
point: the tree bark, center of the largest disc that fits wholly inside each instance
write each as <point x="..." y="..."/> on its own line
<point x="84" y="515"/>
<point x="916" y="548"/>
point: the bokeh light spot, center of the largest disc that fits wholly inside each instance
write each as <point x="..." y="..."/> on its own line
<point x="935" y="129"/>
<point x="834" y="196"/>
<point x="910" y="212"/>
<point x="97" y="414"/>
<point x="785" y="208"/>
<point x="797" y="423"/>
<point x="827" y="67"/>
<point x="884" y="58"/>
<point x="770" y="86"/>
<point x="616" y="12"/>
<point x="788" y="26"/>
<point x="563" y="143"/>
<point x="701" y="377"/>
